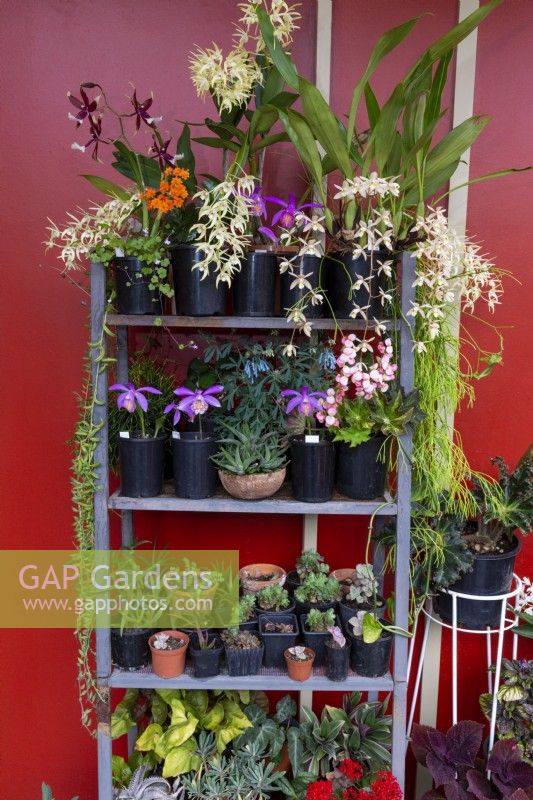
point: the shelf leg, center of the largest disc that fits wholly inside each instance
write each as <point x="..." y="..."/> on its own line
<point x="128" y="531"/>
<point x="309" y="542"/>
<point x="399" y="726"/>
<point x="104" y="744"/>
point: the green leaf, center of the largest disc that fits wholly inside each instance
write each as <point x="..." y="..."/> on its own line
<point x="281" y="60"/>
<point x="372" y="106"/>
<point x="273" y="84"/>
<point x="220" y="144"/>
<point x="181" y="759"/>
<point x="266" y="141"/>
<point x="149" y="737"/>
<point x="305" y="144"/>
<point x="186" y="158"/>
<point x="107" y="187"/>
<point x="213" y="718"/>
<point x="433" y="106"/>
<point x="121" y="771"/>
<point x="384" y="45"/>
<point x="325" y="126"/>
<point x="175" y="736"/>
<point x="372" y="629"/>
<point x="295" y="748"/>
<point x="382" y="137"/>
<point x="46" y="792"/>
<point x="499" y="173"/>
<point x="139" y="168"/>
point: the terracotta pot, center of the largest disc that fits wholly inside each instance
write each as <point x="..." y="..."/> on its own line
<point x="169" y="663"/>
<point x="252" y="487"/>
<point x="300" y="670"/>
<point x="342" y="575"/>
<point x="249" y="577"/>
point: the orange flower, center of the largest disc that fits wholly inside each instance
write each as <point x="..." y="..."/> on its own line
<point x="172" y="192"/>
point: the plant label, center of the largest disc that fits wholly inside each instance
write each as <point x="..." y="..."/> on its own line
<point x="312" y="438"/>
<point x="124" y="434"/>
<point x="176" y="435"/>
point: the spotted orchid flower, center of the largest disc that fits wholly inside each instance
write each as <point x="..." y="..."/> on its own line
<point x="303" y="401"/>
<point x="286" y="216"/>
<point x="130" y="397"/>
<point x="195" y="401"/>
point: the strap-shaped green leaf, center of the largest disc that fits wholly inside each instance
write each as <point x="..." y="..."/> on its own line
<point x="107" y="187"/>
<point x="325" y="126"/>
<point x="281" y="60"/>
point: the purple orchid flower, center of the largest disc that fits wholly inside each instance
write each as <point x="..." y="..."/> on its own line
<point x="130" y="396"/>
<point x="85" y="106"/>
<point x="304" y="401"/>
<point x="177" y="412"/>
<point x="160" y="151"/>
<point x="141" y="111"/>
<point x="269" y="233"/>
<point x="197" y="401"/>
<point x="255" y="202"/>
<point x="286" y="217"/>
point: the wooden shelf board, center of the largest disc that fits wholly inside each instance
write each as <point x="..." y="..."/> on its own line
<point x="225" y="323"/>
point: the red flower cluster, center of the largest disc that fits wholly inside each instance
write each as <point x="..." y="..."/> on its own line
<point x="385" y="787"/>
<point x="320" y="790"/>
<point x="351" y="769"/>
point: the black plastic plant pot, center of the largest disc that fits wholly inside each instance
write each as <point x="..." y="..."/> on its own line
<point x="130" y="649"/>
<point x="195" y="475"/>
<point x="266" y="613"/>
<point x="133" y="293"/>
<point x="361" y="474"/>
<point x="312" y="470"/>
<point x="195" y="296"/>
<point x="316" y="641"/>
<point x="250" y="625"/>
<point x="141" y="466"/>
<point x="337" y="660"/>
<point x="241" y="661"/>
<point x="208" y="425"/>
<point x="305" y="608"/>
<point x="309" y="267"/>
<point x="341" y="271"/>
<point x="276" y="643"/>
<point x="206" y="662"/>
<point x="492" y="574"/>
<point x="347" y="611"/>
<point x="371" y="660"/>
<point x="292" y="581"/>
<point x="254" y="287"/>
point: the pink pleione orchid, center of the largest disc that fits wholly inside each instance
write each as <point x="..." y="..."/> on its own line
<point x="195" y="401"/>
<point x="130" y="397"/>
<point x="303" y="401"/>
<point x="286" y="216"/>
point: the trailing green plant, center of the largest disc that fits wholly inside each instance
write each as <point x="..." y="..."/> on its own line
<point x="273" y="598"/>
<point x="318" y="588"/>
<point x="246" y="608"/>
<point x="439" y="553"/>
<point x="84" y="483"/>
<point x="310" y="563"/>
<point x="247" y="448"/>
<point x="248" y="774"/>
<point x="143" y="370"/>
<point x="176" y="717"/>
<point x="320" y="621"/>
<point x="514" y="711"/>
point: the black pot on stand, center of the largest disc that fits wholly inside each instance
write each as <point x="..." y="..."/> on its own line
<point x="134" y="296"/>
<point x="254" y="286"/>
<point x="308" y="267"/>
<point x="343" y="271"/>
<point x="196" y="295"/>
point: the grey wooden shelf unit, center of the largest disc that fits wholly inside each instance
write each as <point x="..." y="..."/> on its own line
<point x="281" y="503"/>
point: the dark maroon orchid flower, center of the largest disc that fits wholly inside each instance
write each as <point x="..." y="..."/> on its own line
<point x="129" y="396"/>
<point x="160" y="151"/>
<point x="141" y="111"/>
<point x="286" y="217"/>
<point x="195" y="401"/>
<point x="96" y="139"/>
<point x="85" y="106"/>
<point x="304" y="401"/>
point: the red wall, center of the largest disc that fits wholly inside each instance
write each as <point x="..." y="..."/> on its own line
<point x="52" y="46"/>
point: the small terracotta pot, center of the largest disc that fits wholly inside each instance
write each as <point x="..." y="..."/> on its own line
<point x="252" y="487"/>
<point x="249" y="577"/>
<point x="342" y="575"/>
<point x="169" y="663"/>
<point x="300" y="670"/>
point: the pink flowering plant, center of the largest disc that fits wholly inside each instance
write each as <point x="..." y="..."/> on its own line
<point x="367" y="399"/>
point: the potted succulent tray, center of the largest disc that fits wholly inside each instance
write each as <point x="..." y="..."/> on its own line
<point x="244" y="652"/>
<point x="279" y="632"/>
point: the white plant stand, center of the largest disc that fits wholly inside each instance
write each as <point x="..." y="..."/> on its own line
<point x="507" y="623"/>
